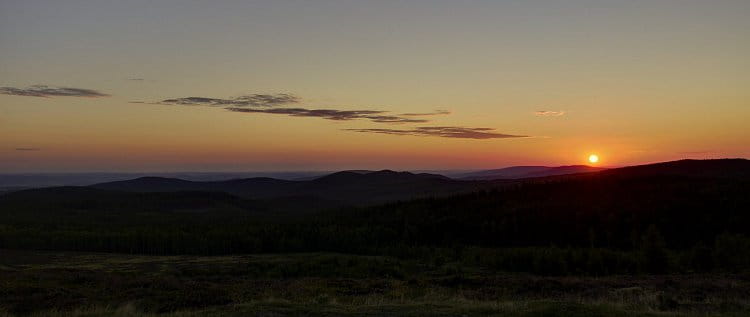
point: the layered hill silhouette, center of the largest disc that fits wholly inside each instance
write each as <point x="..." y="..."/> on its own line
<point x="351" y="187"/>
<point x="359" y="188"/>
<point x="715" y="168"/>
<point x="682" y="204"/>
<point x="518" y="172"/>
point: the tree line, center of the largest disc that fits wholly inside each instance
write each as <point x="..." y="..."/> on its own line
<point x="578" y="226"/>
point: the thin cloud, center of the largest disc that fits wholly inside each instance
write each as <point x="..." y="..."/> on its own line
<point x="331" y="114"/>
<point x="255" y="100"/>
<point x="49" y="91"/>
<point x="394" y="119"/>
<point x="434" y="113"/>
<point x="444" y="132"/>
<point x="28" y="149"/>
<point x="549" y="113"/>
<point x="269" y="104"/>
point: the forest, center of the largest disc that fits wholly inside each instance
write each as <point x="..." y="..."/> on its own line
<point x="668" y="218"/>
<point x="669" y="239"/>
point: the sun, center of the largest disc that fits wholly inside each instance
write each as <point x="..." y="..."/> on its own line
<point x="593" y="158"/>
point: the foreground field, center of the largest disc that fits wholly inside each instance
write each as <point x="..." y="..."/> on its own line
<point x="323" y="284"/>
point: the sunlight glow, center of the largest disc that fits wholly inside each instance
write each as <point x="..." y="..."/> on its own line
<point x="593" y="158"/>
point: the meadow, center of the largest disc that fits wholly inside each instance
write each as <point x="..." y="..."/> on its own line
<point x="48" y="283"/>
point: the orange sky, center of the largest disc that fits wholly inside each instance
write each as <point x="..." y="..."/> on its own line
<point x="633" y="81"/>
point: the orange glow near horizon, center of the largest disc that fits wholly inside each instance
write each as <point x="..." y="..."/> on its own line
<point x="503" y="83"/>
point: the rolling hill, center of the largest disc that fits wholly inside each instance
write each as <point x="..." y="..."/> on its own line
<point x="348" y="187"/>
<point x="519" y="172"/>
<point x="686" y="206"/>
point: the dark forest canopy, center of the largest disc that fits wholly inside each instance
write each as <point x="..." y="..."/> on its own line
<point x="691" y="212"/>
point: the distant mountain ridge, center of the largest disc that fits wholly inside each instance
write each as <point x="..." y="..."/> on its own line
<point x="690" y="202"/>
<point x="369" y="187"/>
<point x="374" y="187"/>
<point x="36" y="180"/>
<point x="519" y="172"/>
<point x="738" y="168"/>
<point x="347" y="188"/>
<point x="355" y="187"/>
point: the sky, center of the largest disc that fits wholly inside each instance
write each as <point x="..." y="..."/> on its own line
<point x="330" y="85"/>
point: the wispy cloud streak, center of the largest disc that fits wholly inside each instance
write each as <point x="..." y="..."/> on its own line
<point x="269" y="104"/>
<point x="254" y="100"/>
<point x="331" y="114"/>
<point x="444" y="132"/>
<point x="48" y="91"/>
<point x="279" y="104"/>
<point x="549" y="113"/>
<point x="425" y="114"/>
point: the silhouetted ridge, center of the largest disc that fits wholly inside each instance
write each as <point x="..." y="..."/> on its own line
<point x="105" y="201"/>
<point x="347" y="187"/>
<point x="253" y="181"/>
<point x="62" y="192"/>
<point x="432" y="176"/>
<point x="150" y="184"/>
<point x="370" y="187"/>
<point x="518" y="172"/>
<point x="715" y="168"/>
<point x="377" y="176"/>
<point x="393" y="175"/>
<point x="688" y="205"/>
<point x="338" y="177"/>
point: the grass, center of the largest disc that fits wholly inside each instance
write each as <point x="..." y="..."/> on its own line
<point x="284" y="308"/>
<point x="35" y="283"/>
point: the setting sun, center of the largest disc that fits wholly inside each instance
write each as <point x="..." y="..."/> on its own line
<point x="593" y="158"/>
<point x="229" y="143"/>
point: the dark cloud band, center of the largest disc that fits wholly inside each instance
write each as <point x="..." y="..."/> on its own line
<point x="444" y="132"/>
<point x="268" y="104"/>
<point x="434" y="113"/>
<point x="255" y="100"/>
<point x="47" y="91"/>
<point x="330" y="114"/>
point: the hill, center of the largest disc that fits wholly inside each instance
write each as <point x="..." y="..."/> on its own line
<point x="37" y="180"/>
<point x="688" y="201"/>
<point x="348" y="187"/>
<point x="680" y="205"/>
<point x="519" y="172"/>
<point x="715" y="168"/>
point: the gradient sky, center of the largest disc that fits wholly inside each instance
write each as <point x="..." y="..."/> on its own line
<point x="634" y="81"/>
